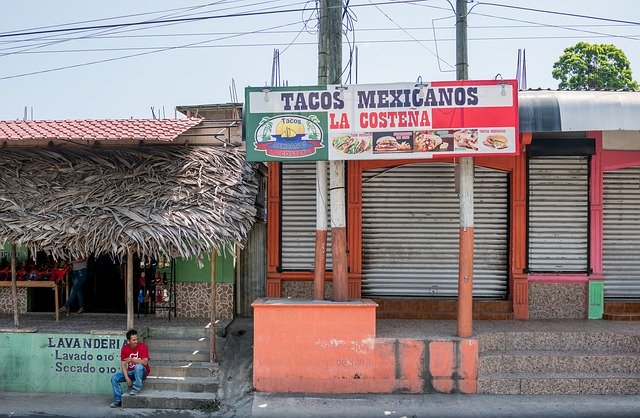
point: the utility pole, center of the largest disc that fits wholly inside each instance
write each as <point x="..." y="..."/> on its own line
<point x="330" y="72"/>
<point x="465" y="178"/>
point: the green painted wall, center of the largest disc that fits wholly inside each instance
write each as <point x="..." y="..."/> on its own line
<point x="187" y="269"/>
<point x="68" y="363"/>
<point x="21" y="253"/>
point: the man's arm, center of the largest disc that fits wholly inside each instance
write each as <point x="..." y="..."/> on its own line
<point x="142" y="361"/>
<point x="123" y="367"/>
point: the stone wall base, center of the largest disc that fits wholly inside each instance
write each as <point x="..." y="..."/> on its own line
<point x="194" y="300"/>
<point x="6" y="304"/>
<point x="558" y="300"/>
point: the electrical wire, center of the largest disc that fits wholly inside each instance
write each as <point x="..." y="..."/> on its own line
<point x="417" y="28"/>
<point x="105" y="31"/>
<point x="306" y="43"/>
<point x="553" y="12"/>
<point x="549" y="25"/>
<point x="137" y="54"/>
<point x="127" y="29"/>
<point x="412" y="37"/>
<point x="305" y="24"/>
<point x="189" y="19"/>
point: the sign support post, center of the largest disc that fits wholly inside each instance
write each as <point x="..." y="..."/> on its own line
<point x="465" y="170"/>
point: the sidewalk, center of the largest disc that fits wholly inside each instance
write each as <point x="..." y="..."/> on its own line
<point x="445" y="405"/>
<point x="14" y="404"/>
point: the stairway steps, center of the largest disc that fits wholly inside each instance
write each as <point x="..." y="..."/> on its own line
<point x="178" y="343"/>
<point x="558" y="341"/>
<point x="184" y="369"/>
<point x="180" y="355"/>
<point x="545" y="383"/>
<point x="170" y="399"/>
<point x="621" y="316"/>
<point x="181" y="375"/>
<point x="182" y="384"/>
<point x="558" y="361"/>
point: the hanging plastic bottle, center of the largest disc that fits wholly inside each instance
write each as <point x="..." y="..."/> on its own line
<point x="140" y="296"/>
<point x="165" y="294"/>
<point x="143" y="280"/>
<point x="158" y="296"/>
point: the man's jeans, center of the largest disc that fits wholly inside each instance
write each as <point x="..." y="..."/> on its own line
<point x="79" y="277"/>
<point x="138" y="374"/>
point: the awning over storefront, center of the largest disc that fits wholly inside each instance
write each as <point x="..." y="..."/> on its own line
<point x="177" y="201"/>
<point x="565" y="111"/>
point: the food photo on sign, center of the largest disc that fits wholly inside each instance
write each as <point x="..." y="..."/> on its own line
<point x="432" y="141"/>
<point x="392" y="142"/>
<point x="352" y="143"/>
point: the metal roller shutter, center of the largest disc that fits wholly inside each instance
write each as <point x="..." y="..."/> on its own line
<point x="621" y="237"/>
<point x="298" y="226"/>
<point x="558" y="214"/>
<point x="410" y="232"/>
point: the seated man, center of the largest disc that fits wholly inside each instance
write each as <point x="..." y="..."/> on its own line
<point x="134" y="362"/>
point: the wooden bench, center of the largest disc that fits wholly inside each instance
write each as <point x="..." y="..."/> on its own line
<point x="43" y="283"/>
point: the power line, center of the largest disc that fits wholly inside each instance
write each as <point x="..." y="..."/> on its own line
<point x="412" y="37"/>
<point x="604" y="19"/>
<point x="549" y="25"/>
<point x="189" y="19"/>
<point x="125" y="29"/>
<point x="135" y="55"/>
<point x="305" y="43"/>
<point x="417" y="28"/>
<point x="31" y="47"/>
<point x="119" y="17"/>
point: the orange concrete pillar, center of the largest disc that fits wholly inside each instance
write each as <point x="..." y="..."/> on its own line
<point x="465" y="283"/>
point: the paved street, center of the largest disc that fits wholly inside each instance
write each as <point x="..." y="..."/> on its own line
<point x="439" y="405"/>
<point x="265" y="405"/>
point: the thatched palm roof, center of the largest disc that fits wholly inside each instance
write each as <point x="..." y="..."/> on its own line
<point x="174" y="201"/>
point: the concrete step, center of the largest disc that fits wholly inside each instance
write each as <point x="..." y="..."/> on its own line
<point x="167" y="399"/>
<point x="161" y="343"/>
<point x="558" y="341"/>
<point x="559" y="383"/>
<point x="558" y="361"/>
<point x="621" y="316"/>
<point x="179" y="355"/>
<point x="182" y="384"/>
<point x="178" y="332"/>
<point x="184" y="369"/>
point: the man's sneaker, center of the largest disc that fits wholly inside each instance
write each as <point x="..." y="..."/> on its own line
<point x="116" y="404"/>
<point x="80" y="310"/>
<point x="134" y="392"/>
<point x="63" y="309"/>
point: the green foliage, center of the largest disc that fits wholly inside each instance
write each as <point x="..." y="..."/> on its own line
<point x="585" y="66"/>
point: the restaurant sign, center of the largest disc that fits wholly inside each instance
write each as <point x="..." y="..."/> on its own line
<point x="382" y="121"/>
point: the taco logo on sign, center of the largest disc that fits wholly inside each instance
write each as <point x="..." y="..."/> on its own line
<point x="288" y="136"/>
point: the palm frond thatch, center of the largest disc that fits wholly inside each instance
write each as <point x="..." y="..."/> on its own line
<point x="173" y="201"/>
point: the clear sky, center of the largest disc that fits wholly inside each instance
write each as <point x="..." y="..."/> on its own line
<point x="198" y="62"/>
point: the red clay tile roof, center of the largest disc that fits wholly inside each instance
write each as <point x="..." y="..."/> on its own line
<point x="105" y="129"/>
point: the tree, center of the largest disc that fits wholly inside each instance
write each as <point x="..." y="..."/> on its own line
<point x="585" y="66"/>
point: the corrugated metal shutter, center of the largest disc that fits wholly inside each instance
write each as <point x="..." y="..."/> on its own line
<point x="299" y="216"/>
<point x="558" y="214"/>
<point x="621" y="240"/>
<point x="411" y="226"/>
